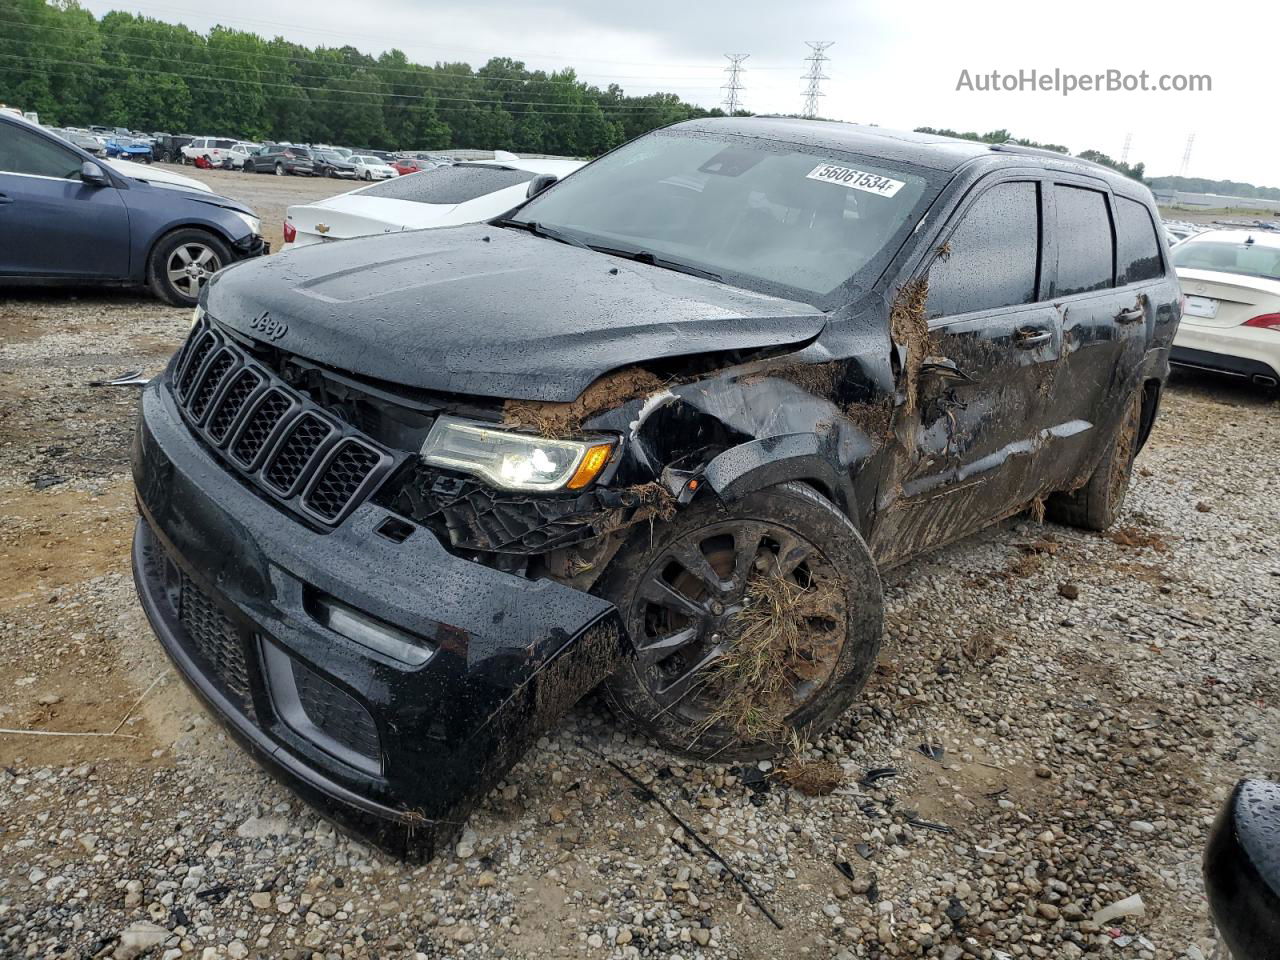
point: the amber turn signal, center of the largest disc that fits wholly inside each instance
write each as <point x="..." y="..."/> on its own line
<point x="592" y="463"/>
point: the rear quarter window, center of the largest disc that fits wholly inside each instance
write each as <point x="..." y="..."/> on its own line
<point x="449" y="185"/>
<point x="1137" y="244"/>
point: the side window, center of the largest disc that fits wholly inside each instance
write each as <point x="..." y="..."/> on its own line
<point x="23" y="151"/>
<point x="991" y="259"/>
<point x="1137" y="245"/>
<point x="1086" y="249"/>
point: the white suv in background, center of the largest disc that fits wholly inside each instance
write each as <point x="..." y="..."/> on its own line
<point x="216" y="150"/>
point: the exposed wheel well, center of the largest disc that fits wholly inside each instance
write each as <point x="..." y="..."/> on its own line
<point x="1151" y="390"/>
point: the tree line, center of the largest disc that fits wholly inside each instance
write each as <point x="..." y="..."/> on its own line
<point x="1229" y="188"/>
<point x="1135" y="170"/>
<point x="132" y="71"/>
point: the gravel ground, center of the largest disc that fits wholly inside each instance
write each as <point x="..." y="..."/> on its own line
<point x="1087" y="702"/>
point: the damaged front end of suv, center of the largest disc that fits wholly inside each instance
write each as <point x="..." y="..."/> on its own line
<point x="405" y="499"/>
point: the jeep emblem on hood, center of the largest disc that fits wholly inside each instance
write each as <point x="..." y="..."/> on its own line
<point x="270" y="329"/>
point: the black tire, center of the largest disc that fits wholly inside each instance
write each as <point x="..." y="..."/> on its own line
<point x="166" y="157"/>
<point x="787" y="521"/>
<point x="168" y="253"/>
<point x="1097" y="504"/>
<point x="279" y="169"/>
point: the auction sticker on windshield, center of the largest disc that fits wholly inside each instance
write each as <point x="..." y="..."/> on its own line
<point x="855" y="179"/>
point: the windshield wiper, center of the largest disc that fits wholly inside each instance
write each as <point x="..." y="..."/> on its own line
<point x="538" y="230"/>
<point x="644" y="256"/>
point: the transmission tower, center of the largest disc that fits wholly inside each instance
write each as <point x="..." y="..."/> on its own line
<point x="815" y="76"/>
<point x="1186" y="155"/>
<point x="1124" y="153"/>
<point x="732" y="89"/>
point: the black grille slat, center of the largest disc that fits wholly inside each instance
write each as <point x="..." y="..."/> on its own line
<point x="199" y="353"/>
<point x="296" y="451"/>
<point x="233" y="401"/>
<point x="258" y="428"/>
<point x="215" y="639"/>
<point x="341" y="479"/>
<point x="334" y="712"/>
<point x="209" y="385"/>
<point x="275" y="435"/>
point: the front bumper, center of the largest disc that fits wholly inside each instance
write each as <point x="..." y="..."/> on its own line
<point x="396" y="752"/>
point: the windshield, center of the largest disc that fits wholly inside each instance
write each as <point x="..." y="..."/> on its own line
<point x="765" y="212"/>
<point x="1246" y="259"/>
<point x="369" y="161"/>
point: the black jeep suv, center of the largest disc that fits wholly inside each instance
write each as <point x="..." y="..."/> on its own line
<point x="405" y="498"/>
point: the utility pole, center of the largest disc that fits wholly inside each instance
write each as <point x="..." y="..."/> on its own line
<point x="815" y="76"/>
<point x="1124" y="153"/>
<point x="732" y="89"/>
<point x="1186" y="156"/>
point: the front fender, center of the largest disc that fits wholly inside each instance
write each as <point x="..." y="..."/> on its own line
<point x="765" y="463"/>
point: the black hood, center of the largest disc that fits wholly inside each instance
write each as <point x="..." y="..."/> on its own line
<point x="492" y="312"/>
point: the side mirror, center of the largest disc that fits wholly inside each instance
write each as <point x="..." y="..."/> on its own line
<point x="540" y="183"/>
<point x="93" y="175"/>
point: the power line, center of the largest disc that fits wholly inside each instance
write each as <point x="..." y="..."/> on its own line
<point x="607" y="108"/>
<point x="346" y="36"/>
<point x="734" y="87"/>
<point x="291" y="60"/>
<point x="815" y="76"/>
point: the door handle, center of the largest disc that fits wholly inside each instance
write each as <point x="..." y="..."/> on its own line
<point x="1132" y="315"/>
<point x="1026" y="337"/>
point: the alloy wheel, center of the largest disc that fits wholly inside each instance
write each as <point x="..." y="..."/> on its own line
<point x="190" y="266"/>
<point x="692" y="605"/>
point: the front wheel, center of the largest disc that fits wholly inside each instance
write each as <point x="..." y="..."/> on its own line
<point x="182" y="263"/>
<point x="750" y="623"/>
<point x="279" y="169"/>
<point x="1097" y="504"/>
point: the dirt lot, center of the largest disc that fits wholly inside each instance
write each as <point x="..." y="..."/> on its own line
<point x="1084" y="743"/>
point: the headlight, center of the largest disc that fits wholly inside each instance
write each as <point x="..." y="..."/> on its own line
<point x="250" y="221"/>
<point x="196" y="316"/>
<point x="514" y="461"/>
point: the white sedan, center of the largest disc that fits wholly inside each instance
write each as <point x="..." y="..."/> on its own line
<point x="1231" y="320"/>
<point x="371" y="168"/>
<point x="445" y="197"/>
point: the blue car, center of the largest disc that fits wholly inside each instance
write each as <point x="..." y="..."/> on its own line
<point x="67" y="218"/>
<point x="129" y="149"/>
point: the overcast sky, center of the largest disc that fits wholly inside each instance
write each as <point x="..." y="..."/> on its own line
<point x="894" y="64"/>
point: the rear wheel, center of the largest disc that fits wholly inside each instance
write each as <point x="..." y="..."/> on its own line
<point x="1097" y="504"/>
<point x="279" y="169"/>
<point x="182" y="263"/>
<point x="749" y="622"/>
